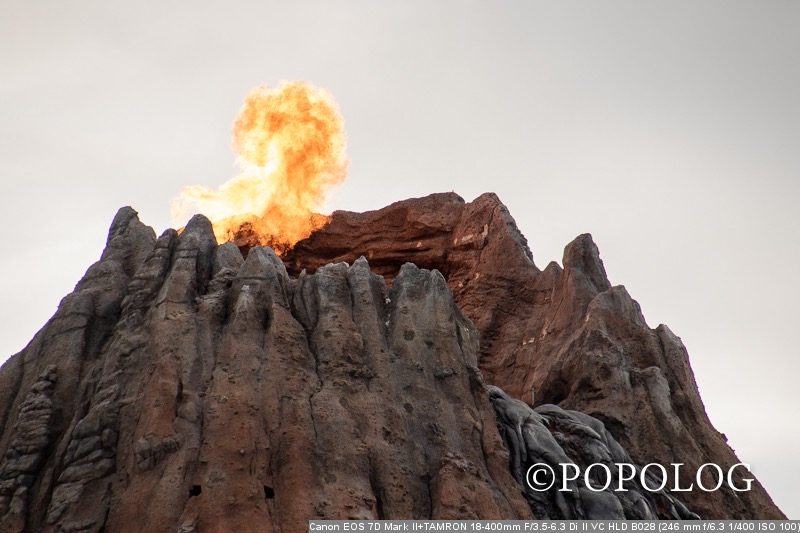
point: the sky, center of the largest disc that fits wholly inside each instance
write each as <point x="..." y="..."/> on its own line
<point x="667" y="130"/>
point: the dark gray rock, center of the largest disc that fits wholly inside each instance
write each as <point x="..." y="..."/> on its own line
<point x="22" y="461"/>
<point x="554" y="437"/>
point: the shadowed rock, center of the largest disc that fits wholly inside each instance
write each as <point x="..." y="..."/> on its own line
<point x="553" y="437"/>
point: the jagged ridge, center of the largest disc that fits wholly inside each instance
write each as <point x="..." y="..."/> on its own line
<point x="220" y="394"/>
<point x="563" y="332"/>
<point x="220" y="391"/>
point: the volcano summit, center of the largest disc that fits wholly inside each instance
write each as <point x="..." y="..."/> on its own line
<point x="411" y="362"/>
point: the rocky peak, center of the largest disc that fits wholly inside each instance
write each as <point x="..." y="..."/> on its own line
<point x="563" y="336"/>
<point x="347" y="379"/>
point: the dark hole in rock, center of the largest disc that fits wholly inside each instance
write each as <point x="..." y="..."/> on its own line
<point x="268" y="492"/>
<point x="195" y="491"/>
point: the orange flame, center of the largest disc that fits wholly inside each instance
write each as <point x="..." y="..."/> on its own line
<point x="290" y="143"/>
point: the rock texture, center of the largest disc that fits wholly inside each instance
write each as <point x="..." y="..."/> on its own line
<point x="181" y="387"/>
<point x="27" y="452"/>
<point x="570" y="449"/>
<point x="562" y="334"/>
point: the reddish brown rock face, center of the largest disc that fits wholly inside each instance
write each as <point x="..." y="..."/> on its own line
<point x="564" y="333"/>
<point x="182" y="387"/>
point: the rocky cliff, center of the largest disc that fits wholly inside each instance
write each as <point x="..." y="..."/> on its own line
<point x="563" y="335"/>
<point x="181" y="387"/>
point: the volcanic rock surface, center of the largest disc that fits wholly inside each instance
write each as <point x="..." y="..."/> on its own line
<point x="562" y="335"/>
<point x="544" y="440"/>
<point x="181" y="387"/>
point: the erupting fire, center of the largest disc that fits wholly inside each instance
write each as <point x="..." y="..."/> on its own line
<point x="290" y="144"/>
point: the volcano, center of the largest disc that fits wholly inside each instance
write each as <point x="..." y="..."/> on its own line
<point x="405" y="363"/>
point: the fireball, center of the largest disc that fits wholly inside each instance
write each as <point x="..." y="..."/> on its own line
<point x="290" y="145"/>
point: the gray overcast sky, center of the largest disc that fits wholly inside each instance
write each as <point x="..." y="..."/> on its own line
<point x="668" y="130"/>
